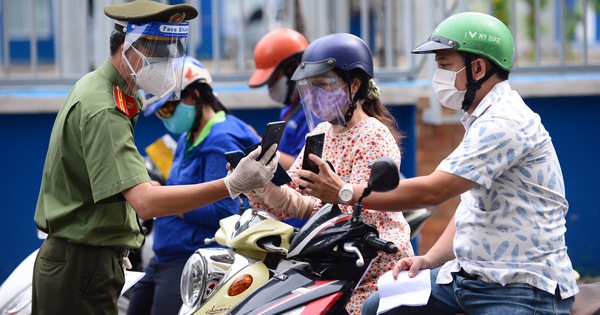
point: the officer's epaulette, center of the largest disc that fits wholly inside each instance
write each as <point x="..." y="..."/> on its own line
<point x="124" y="103"/>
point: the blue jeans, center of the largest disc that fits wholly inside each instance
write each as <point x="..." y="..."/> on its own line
<point x="477" y="297"/>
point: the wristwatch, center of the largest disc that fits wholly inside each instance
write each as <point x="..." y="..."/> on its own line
<point x="346" y="194"/>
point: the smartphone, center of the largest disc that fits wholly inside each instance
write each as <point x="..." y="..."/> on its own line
<point x="314" y="145"/>
<point x="272" y="135"/>
<point x="234" y="157"/>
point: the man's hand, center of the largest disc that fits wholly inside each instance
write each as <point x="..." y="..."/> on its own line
<point x="413" y="265"/>
<point x="252" y="174"/>
<point x="325" y="185"/>
<point x="126" y="263"/>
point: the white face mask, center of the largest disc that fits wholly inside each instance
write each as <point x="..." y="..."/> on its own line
<point x="156" y="78"/>
<point x="443" y="84"/>
<point x="157" y="75"/>
<point x="278" y="91"/>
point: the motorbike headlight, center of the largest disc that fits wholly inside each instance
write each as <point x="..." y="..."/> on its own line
<point x="18" y="303"/>
<point x="203" y="273"/>
<point x="193" y="280"/>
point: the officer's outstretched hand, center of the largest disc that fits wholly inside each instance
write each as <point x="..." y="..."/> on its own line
<point x="252" y="174"/>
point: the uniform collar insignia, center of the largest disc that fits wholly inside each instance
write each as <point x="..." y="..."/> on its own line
<point x="124" y="103"/>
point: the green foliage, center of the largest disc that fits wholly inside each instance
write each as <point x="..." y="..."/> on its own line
<point x="530" y="18"/>
<point x="502" y="11"/>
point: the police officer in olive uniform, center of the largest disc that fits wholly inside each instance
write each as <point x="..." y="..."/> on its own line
<point x="94" y="184"/>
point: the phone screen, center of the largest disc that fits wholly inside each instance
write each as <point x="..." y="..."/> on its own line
<point x="272" y="135"/>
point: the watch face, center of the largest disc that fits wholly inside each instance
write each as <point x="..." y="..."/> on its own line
<point x="346" y="195"/>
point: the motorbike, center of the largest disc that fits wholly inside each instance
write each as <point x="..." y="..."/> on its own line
<point x="337" y="250"/>
<point x="215" y="279"/>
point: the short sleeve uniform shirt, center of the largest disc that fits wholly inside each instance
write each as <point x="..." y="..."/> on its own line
<point x="91" y="159"/>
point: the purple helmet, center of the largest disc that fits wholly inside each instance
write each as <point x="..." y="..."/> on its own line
<point x="341" y="50"/>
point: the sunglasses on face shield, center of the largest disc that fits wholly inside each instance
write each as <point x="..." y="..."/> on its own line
<point x="169" y="107"/>
<point x="325" y="83"/>
<point x="167" y="110"/>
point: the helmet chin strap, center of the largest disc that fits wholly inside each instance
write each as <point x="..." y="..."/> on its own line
<point x="291" y="86"/>
<point x="350" y="111"/>
<point x="288" y="71"/>
<point x="472" y="85"/>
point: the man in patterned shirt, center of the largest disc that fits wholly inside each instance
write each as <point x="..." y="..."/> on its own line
<point x="504" y="250"/>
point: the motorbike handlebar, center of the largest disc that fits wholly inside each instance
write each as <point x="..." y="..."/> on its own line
<point x="372" y="240"/>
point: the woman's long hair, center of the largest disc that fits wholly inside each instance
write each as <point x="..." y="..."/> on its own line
<point x="368" y="92"/>
<point x="207" y="97"/>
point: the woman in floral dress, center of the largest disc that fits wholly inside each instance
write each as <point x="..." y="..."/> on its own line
<point x="341" y="100"/>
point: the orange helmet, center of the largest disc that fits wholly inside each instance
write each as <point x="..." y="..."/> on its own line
<point x="273" y="48"/>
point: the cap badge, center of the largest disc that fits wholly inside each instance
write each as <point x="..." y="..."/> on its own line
<point x="177" y="17"/>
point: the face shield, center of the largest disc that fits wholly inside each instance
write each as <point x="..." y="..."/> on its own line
<point x="153" y="51"/>
<point x="324" y="98"/>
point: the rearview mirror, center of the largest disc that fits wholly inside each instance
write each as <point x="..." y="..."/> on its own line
<point x="384" y="175"/>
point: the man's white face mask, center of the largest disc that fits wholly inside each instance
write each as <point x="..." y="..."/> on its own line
<point x="157" y="78"/>
<point x="443" y="84"/>
<point x="157" y="75"/>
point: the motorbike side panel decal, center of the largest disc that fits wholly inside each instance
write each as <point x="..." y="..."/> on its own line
<point x="332" y="222"/>
<point x="322" y="305"/>
<point x="316" y="286"/>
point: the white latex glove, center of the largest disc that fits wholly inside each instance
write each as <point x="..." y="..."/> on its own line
<point x="252" y="174"/>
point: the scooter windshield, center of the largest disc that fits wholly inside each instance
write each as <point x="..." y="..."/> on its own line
<point x="251" y="217"/>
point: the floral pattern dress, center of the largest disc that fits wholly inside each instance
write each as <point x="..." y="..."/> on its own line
<point x="352" y="153"/>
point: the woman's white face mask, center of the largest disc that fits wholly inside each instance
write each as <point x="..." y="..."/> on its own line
<point x="444" y="87"/>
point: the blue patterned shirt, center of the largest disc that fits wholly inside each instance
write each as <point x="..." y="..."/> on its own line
<point x="510" y="228"/>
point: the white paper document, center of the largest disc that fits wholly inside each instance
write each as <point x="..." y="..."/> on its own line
<point x="131" y="278"/>
<point x="404" y="290"/>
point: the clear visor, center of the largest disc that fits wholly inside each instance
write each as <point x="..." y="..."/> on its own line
<point x="153" y="51"/>
<point x="324" y="98"/>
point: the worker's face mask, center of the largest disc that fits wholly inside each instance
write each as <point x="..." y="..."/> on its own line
<point x="181" y="120"/>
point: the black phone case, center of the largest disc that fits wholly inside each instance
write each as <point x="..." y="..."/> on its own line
<point x="234" y="157"/>
<point x="314" y="145"/>
<point x="272" y="135"/>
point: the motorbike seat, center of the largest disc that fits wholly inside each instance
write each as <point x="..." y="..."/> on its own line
<point x="416" y="220"/>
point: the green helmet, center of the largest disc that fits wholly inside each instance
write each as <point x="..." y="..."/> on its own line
<point x="476" y="33"/>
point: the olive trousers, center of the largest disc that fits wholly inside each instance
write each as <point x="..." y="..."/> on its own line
<point x="76" y="279"/>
